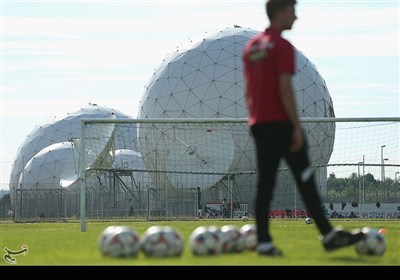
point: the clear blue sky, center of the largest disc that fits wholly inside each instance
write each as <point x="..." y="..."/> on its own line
<point x="57" y="56"/>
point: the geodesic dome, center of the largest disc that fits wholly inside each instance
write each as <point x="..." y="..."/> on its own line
<point x="43" y="156"/>
<point x="206" y="81"/>
<point x="129" y="159"/>
<point x="46" y="167"/>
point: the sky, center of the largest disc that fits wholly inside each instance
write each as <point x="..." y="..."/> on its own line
<point x="59" y="56"/>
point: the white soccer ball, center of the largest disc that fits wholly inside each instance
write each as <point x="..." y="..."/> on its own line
<point x="309" y="221"/>
<point x="119" y="241"/>
<point x="249" y="233"/>
<point x="221" y="237"/>
<point x="204" y="242"/>
<point x="233" y="241"/>
<point x="175" y="240"/>
<point x="161" y="241"/>
<point x="373" y="244"/>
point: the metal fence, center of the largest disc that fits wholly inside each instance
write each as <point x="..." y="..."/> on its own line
<point x="345" y="154"/>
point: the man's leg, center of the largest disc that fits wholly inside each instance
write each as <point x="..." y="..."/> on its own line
<point x="267" y="161"/>
<point x="304" y="176"/>
<point x="332" y="238"/>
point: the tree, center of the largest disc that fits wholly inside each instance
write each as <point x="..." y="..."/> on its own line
<point x="334" y="183"/>
<point x="371" y="180"/>
<point x="5" y="205"/>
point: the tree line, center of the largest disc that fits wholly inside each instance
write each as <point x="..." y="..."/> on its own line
<point x="347" y="189"/>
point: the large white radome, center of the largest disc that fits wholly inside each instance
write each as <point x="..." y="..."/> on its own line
<point x="47" y="153"/>
<point x="206" y="81"/>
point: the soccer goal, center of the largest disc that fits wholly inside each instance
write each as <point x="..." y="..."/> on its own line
<point x="172" y="168"/>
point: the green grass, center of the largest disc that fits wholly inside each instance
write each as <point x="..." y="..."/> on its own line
<point x="65" y="244"/>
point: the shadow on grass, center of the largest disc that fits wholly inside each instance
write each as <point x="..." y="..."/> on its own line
<point x="349" y="260"/>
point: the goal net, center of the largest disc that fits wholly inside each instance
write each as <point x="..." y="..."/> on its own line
<point x="171" y="168"/>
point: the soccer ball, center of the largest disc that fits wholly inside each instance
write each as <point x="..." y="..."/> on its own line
<point x="204" y="242"/>
<point x="233" y="241"/>
<point x="162" y="241"/>
<point x="175" y="239"/>
<point x="309" y="221"/>
<point x="222" y="238"/>
<point x="373" y="244"/>
<point x="249" y="233"/>
<point x="119" y="241"/>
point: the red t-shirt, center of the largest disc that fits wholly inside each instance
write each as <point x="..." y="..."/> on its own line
<point x="265" y="57"/>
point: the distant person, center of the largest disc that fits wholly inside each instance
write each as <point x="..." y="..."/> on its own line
<point x="224" y="208"/>
<point x="269" y="63"/>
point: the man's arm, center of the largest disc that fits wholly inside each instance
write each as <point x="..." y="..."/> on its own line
<point x="288" y="100"/>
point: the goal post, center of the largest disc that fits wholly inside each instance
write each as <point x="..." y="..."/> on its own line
<point x="82" y="170"/>
<point x="156" y="164"/>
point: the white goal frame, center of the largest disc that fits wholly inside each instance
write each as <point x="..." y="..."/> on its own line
<point x="82" y="164"/>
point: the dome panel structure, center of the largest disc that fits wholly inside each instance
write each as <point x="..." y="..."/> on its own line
<point x="48" y="149"/>
<point x="126" y="159"/>
<point x="43" y="171"/>
<point x="214" y="88"/>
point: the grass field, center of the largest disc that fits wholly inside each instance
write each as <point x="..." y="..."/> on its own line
<point x="65" y="244"/>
